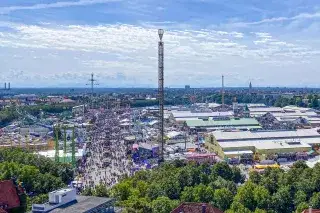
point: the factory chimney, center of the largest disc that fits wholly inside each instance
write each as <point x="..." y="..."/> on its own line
<point x="9" y="86"/>
<point x="5" y="86"/>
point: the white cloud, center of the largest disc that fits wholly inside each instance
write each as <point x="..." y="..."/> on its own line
<point x="124" y="55"/>
<point x="5" y="10"/>
<point x="300" y="16"/>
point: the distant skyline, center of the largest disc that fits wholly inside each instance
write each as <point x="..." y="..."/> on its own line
<point x="60" y="43"/>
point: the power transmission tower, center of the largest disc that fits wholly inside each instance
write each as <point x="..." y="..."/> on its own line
<point x="92" y="83"/>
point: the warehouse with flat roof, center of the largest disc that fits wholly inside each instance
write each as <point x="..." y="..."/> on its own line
<point x="196" y="115"/>
<point x="259" y="111"/>
<point x="234" y="123"/>
<point x="230" y="144"/>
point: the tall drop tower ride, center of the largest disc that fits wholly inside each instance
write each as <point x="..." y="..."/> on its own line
<point x="161" y="92"/>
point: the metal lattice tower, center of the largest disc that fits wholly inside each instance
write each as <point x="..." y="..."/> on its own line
<point x="92" y="84"/>
<point x="161" y="91"/>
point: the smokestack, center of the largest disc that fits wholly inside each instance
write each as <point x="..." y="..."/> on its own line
<point x="9" y="86"/>
<point x="204" y="208"/>
<point x="5" y="86"/>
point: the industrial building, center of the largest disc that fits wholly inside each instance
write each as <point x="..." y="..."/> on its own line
<point x="234" y="123"/>
<point x="259" y="111"/>
<point x="236" y="143"/>
<point x="181" y="115"/>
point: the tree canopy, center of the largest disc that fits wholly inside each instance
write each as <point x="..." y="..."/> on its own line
<point x="39" y="175"/>
<point x="162" y="189"/>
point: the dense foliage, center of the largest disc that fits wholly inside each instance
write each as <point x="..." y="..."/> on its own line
<point x="43" y="164"/>
<point x="39" y="175"/>
<point x="162" y="189"/>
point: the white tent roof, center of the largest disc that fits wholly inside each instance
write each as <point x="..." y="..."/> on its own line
<point x="173" y="134"/>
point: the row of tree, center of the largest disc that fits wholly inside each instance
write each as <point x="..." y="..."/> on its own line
<point x="162" y="189"/>
<point x="45" y="165"/>
<point x="311" y="100"/>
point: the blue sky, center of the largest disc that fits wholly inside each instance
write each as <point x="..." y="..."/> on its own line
<point x="47" y="43"/>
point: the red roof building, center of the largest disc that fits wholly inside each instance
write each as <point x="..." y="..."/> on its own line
<point x="9" y="197"/>
<point x="311" y="211"/>
<point x="196" y="208"/>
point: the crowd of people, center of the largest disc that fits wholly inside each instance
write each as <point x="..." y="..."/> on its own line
<point x="106" y="161"/>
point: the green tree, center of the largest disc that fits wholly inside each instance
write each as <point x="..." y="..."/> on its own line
<point x="42" y="198"/>
<point x="163" y="205"/>
<point x="269" y="184"/>
<point x="282" y="200"/>
<point x="155" y="190"/>
<point x="306" y="185"/>
<point x="203" y="193"/>
<point x="315" y="200"/>
<point x="315" y="102"/>
<point x="262" y="197"/>
<point x="223" y="170"/>
<point x="30" y="176"/>
<point x="223" y="198"/>
<point x="220" y="183"/>
<point x="185" y="177"/>
<point x="237" y="207"/>
<point x="245" y="195"/>
<point x="171" y="188"/>
<point x="301" y="207"/>
<point x="299" y="102"/>
<point x="101" y="191"/>
<point x="237" y="177"/>
<point x="254" y="177"/>
<point x="122" y="190"/>
<point x="138" y="204"/>
<point x="300" y="165"/>
<point x="187" y="194"/>
<point x="45" y="165"/>
<point x="316" y="176"/>
<point x="87" y="192"/>
<point x="299" y="197"/>
<point x="260" y="211"/>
